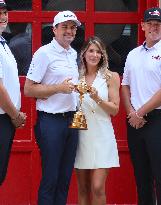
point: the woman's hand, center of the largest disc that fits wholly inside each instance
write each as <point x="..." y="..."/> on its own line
<point x="93" y="93"/>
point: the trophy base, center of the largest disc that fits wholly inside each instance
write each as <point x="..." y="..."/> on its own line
<point x="78" y="128"/>
<point x="79" y="121"/>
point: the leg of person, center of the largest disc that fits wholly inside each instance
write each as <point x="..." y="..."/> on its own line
<point x="153" y="142"/>
<point x="7" y="132"/>
<point x="50" y="134"/>
<point x="141" y="164"/>
<point x="98" y="184"/>
<point x="84" y="186"/>
<point x="67" y="164"/>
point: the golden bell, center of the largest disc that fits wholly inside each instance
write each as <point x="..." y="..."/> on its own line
<point x="79" y="121"/>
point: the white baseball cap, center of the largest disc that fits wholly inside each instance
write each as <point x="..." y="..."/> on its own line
<point x="63" y="16"/>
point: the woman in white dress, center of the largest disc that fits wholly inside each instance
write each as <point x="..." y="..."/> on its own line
<point x="97" y="148"/>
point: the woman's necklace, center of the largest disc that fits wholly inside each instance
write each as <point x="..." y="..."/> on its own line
<point x="90" y="79"/>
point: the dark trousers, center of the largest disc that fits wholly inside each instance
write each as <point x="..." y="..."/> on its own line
<point x="7" y="132"/>
<point x="57" y="145"/>
<point x="145" y="150"/>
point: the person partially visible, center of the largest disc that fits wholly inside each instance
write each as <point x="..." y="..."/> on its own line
<point x="20" y="5"/>
<point x="21" y="46"/>
<point x="51" y="78"/>
<point x="47" y="34"/>
<point x="141" y="91"/>
<point x="10" y="97"/>
<point x="97" y="149"/>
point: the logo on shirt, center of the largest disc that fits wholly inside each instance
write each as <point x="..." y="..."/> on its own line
<point x="158" y="57"/>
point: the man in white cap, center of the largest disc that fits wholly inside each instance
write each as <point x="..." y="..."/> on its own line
<point x="51" y="78"/>
<point x="141" y="88"/>
<point x="10" y="116"/>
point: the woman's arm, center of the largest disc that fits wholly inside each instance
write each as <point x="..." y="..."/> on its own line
<point x="110" y="106"/>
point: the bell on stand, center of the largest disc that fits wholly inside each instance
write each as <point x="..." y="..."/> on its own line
<point x="79" y="120"/>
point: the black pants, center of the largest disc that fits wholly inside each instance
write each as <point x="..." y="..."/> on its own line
<point x="7" y="132"/>
<point x="145" y="150"/>
<point x="58" y="145"/>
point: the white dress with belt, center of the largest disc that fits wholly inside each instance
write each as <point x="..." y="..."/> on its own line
<point x="97" y="146"/>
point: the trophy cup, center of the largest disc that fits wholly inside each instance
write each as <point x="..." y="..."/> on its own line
<point x="79" y="120"/>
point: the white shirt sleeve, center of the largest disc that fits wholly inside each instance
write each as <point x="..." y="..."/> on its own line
<point x="38" y="66"/>
<point x="1" y="71"/>
<point x="125" y="80"/>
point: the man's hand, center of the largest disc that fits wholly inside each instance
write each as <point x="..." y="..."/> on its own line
<point x="66" y="86"/>
<point x="136" y="121"/>
<point x="20" y="120"/>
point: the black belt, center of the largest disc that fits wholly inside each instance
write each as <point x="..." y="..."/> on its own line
<point x="4" y="116"/>
<point x="64" y="114"/>
<point x="154" y="113"/>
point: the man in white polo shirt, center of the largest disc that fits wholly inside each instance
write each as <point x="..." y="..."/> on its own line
<point x="51" y="78"/>
<point x="10" y="116"/>
<point x="141" y="89"/>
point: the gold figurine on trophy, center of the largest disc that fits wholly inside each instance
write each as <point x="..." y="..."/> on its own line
<point x="79" y="120"/>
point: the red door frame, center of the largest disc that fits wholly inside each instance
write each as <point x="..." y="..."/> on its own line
<point x="24" y="143"/>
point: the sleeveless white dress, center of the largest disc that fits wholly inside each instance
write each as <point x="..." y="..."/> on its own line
<point x="97" y="146"/>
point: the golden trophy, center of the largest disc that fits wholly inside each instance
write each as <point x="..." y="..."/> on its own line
<point x="79" y="120"/>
